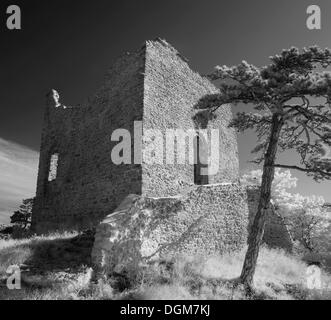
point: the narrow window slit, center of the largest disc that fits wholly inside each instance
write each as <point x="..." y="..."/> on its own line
<point x="201" y="161"/>
<point x="52" y="174"/>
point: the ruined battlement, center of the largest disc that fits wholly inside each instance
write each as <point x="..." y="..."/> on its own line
<point x="153" y="85"/>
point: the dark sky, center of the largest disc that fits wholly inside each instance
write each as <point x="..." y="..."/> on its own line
<point x="68" y="46"/>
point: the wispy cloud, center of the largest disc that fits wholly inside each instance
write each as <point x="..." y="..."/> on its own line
<point x="18" y="176"/>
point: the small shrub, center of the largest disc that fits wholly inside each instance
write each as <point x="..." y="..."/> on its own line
<point x="22" y="217"/>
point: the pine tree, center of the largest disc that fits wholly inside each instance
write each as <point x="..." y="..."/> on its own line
<point x="291" y="98"/>
<point x="22" y="217"/>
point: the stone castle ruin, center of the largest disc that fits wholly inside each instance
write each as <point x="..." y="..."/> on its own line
<point x="145" y="208"/>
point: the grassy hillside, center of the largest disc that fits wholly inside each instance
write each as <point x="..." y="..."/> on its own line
<point x="58" y="267"/>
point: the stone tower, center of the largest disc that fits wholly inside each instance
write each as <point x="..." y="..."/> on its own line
<point x="153" y="88"/>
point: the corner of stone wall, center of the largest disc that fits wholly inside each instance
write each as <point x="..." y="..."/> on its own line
<point x="276" y="233"/>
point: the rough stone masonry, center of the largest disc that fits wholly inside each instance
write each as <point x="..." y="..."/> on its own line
<point x="79" y="185"/>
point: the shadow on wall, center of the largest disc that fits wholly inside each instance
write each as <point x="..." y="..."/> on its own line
<point x="276" y="234"/>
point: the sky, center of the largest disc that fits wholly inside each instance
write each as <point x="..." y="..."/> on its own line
<point x="18" y="171"/>
<point x="69" y="45"/>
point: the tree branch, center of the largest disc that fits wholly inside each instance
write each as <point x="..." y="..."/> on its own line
<point x="302" y="169"/>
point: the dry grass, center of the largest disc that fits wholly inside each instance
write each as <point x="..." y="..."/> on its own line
<point x="58" y="267"/>
<point x="279" y="276"/>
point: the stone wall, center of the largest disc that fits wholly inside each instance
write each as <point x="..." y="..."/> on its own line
<point x="208" y="220"/>
<point x="88" y="185"/>
<point x="172" y="91"/>
<point x="154" y="85"/>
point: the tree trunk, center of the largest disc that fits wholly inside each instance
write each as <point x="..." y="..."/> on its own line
<point x="257" y="228"/>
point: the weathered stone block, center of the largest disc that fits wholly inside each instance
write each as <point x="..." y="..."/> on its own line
<point x="209" y="220"/>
